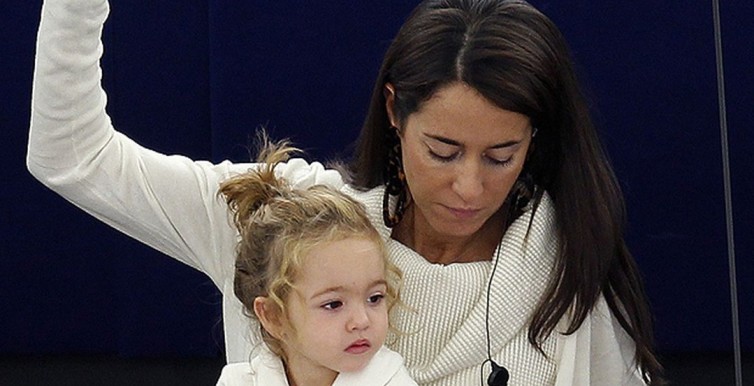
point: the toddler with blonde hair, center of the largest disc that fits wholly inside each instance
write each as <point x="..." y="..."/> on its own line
<point x="313" y="271"/>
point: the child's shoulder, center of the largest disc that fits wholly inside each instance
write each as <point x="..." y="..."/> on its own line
<point x="234" y="374"/>
<point x="264" y="369"/>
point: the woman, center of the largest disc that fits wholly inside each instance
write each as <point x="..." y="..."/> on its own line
<point x="477" y="163"/>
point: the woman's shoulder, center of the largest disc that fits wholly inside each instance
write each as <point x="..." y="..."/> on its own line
<point x="599" y="351"/>
<point x="368" y="197"/>
<point x="373" y="200"/>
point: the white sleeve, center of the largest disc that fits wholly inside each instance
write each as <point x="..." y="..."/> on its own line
<point x="167" y="202"/>
<point x="600" y="352"/>
<point x="236" y="374"/>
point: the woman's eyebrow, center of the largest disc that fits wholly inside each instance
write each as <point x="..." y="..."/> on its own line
<point x="444" y="140"/>
<point x="456" y="143"/>
<point x="505" y="144"/>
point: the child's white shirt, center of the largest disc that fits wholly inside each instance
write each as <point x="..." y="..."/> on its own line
<point x="385" y="369"/>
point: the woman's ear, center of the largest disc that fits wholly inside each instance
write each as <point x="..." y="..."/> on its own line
<point x="269" y="316"/>
<point x="389" y="93"/>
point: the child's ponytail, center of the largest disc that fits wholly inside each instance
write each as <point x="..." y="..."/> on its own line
<point x="247" y="193"/>
<point x="248" y="196"/>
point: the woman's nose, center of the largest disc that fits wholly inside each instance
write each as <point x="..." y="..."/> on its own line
<point x="467" y="182"/>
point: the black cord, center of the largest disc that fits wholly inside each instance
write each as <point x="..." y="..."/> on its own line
<point x="487" y="313"/>
<point x="481" y="372"/>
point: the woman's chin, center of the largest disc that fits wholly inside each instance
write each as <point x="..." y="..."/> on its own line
<point x="458" y="230"/>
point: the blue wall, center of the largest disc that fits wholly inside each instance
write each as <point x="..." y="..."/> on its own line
<point x="198" y="77"/>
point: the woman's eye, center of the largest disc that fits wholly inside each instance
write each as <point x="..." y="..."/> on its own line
<point x="501" y="162"/>
<point x="443" y="157"/>
<point x="332" y="305"/>
<point x="376" y="299"/>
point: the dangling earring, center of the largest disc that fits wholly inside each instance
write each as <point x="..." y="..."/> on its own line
<point x="521" y="193"/>
<point x="524" y="188"/>
<point x="395" y="180"/>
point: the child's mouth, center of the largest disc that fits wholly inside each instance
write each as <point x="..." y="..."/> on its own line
<point x="359" y="347"/>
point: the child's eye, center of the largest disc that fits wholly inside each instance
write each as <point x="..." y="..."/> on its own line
<point x="332" y="305"/>
<point x="376" y="298"/>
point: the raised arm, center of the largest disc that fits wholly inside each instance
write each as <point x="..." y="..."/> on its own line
<point x="167" y="202"/>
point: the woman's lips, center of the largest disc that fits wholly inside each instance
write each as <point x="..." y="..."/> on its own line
<point x="359" y="347"/>
<point x="463" y="214"/>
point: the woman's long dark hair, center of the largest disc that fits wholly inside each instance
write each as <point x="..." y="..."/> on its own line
<point x="517" y="58"/>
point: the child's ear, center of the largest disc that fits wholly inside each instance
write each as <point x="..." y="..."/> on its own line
<point x="269" y="315"/>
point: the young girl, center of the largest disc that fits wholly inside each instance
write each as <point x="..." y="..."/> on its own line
<point x="312" y="270"/>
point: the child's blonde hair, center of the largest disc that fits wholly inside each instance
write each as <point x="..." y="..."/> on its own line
<point x="279" y="225"/>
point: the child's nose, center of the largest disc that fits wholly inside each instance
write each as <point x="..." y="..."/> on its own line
<point x="359" y="319"/>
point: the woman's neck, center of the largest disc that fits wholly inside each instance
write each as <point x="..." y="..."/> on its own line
<point x="441" y="249"/>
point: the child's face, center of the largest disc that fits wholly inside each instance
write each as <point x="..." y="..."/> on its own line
<point x="338" y="309"/>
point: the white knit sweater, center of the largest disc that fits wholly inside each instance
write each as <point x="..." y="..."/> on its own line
<point x="169" y="203"/>
<point x="443" y="333"/>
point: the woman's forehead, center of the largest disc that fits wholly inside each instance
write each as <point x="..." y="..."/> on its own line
<point x="459" y="110"/>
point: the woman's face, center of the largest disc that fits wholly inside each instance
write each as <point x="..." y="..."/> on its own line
<point x="461" y="156"/>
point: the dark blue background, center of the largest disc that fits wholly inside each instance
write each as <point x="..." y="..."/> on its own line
<point x="197" y="77"/>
